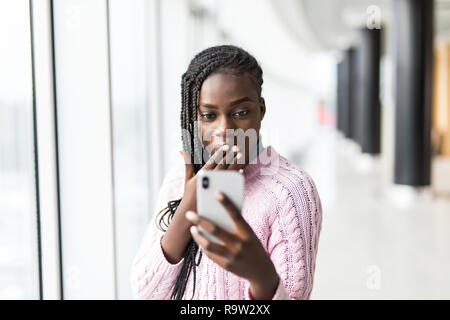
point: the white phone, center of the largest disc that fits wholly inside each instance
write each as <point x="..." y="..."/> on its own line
<point x="231" y="183"/>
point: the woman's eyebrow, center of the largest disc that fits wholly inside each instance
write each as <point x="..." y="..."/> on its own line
<point x="233" y="103"/>
<point x="240" y="101"/>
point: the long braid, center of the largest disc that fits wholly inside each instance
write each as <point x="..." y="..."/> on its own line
<point x="224" y="58"/>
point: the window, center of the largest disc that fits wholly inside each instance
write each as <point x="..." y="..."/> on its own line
<point x="19" y="265"/>
<point x="84" y="149"/>
<point x="129" y="86"/>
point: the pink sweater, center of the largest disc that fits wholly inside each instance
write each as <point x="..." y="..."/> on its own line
<point x="282" y="206"/>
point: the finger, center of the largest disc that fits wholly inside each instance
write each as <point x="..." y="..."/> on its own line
<point x="227" y="159"/>
<point x="212" y="228"/>
<point x="233" y="211"/>
<point x="216" y="158"/>
<point x="237" y="164"/>
<point x="208" y="245"/>
<point x="193" y="217"/>
<point x="189" y="166"/>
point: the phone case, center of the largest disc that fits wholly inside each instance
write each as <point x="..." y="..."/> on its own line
<point x="229" y="182"/>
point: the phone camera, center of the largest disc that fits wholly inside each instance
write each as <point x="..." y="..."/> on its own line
<point x="205" y="182"/>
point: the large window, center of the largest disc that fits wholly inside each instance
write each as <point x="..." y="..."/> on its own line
<point x="19" y="267"/>
<point x="84" y="153"/>
<point x="129" y="58"/>
<point x="88" y="128"/>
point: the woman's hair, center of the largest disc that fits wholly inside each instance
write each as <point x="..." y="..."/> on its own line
<point x="219" y="59"/>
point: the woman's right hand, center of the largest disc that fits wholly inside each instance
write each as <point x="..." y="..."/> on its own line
<point x="223" y="159"/>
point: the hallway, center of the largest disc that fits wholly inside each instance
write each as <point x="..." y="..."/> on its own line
<point x="371" y="247"/>
<point x="90" y="110"/>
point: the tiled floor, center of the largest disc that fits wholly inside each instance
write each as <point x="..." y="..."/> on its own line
<point x="372" y="247"/>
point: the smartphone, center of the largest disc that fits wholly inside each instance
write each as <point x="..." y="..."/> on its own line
<point x="231" y="183"/>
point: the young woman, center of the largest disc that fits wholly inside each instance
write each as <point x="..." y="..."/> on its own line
<point x="273" y="253"/>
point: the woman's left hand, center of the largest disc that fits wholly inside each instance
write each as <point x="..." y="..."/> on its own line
<point x="242" y="252"/>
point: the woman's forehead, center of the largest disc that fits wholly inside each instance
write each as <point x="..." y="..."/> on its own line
<point x="225" y="86"/>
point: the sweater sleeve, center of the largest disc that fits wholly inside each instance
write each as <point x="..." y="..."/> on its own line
<point x="152" y="276"/>
<point x="293" y="242"/>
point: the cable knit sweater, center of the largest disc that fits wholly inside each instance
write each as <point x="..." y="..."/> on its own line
<point x="282" y="206"/>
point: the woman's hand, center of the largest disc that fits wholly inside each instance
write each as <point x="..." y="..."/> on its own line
<point x="222" y="159"/>
<point x="177" y="236"/>
<point x="242" y="252"/>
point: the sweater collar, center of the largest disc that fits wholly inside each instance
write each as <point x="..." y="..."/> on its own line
<point x="263" y="163"/>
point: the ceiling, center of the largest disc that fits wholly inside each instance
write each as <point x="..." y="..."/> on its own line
<point x="332" y="24"/>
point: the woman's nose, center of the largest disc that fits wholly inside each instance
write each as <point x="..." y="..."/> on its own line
<point x="226" y="127"/>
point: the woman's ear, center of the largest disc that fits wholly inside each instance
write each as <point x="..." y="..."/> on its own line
<point x="262" y="104"/>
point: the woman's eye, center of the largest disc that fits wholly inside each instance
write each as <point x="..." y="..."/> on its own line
<point x="207" y="116"/>
<point x="242" y="113"/>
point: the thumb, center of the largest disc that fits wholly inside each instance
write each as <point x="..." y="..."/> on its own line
<point x="188" y="165"/>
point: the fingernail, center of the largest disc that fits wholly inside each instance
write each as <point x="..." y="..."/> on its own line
<point x="190" y="215"/>
<point x="219" y="195"/>
<point x="241" y="171"/>
<point x="239" y="155"/>
<point x="194" y="230"/>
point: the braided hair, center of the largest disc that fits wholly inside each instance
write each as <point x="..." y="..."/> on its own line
<point x="218" y="59"/>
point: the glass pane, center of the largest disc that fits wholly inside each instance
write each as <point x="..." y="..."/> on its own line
<point x="129" y="101"/>
<point x="84" y="148"/>
<point x="19" y="268"/>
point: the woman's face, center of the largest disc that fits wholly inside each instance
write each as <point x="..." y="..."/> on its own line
<point x="227" y="103"/>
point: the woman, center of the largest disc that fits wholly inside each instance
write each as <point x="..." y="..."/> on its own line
<point x="273" y="253"/>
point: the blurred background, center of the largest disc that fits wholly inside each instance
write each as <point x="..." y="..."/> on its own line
<point x="357" y="94"/>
